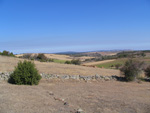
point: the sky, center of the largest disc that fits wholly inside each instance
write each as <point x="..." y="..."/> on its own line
<point x="49" y="26"/>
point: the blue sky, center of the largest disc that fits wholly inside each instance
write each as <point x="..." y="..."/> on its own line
<point x="74" y="25"/>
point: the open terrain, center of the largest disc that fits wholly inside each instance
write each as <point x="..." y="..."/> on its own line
<point x="109" y="63"/>
<point x="108" y="53"/>
<point x="8" y="63"/>
<point x="59" y="56"/>
<point x="67" y="97"/>
<point x="98" y="62"/>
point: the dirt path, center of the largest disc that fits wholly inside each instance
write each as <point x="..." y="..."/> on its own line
<point x="96" y="63"/>
<point x="67" y="97"/>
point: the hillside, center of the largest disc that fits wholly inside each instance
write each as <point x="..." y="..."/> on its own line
<point x="58" y="56"/>
<point x="8" y="64"/>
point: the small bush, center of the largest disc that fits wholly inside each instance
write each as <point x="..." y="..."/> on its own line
<point x="132" y="69"/>
<point x="25" y="73"/>
<point x="147" y="71"/>
<point x="118" y="66"/>
<point x="68" y="62"/>
<point x="51" y="60"/>
<point x="27" y="56"/>
<point x="76" y="62"/>
<point x="42" y="57"/>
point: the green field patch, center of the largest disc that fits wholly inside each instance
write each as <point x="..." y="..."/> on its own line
<point x="112" y="63"/>
<point x="59" y="61"/>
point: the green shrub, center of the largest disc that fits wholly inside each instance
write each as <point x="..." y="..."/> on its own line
<point x="132" y="69"/>
<point x="7" y="53"/>
<point x="147" y="71"/>
<point x="25" y="73"/>
<point x="42" y="57"/>
<point x="68" y="62"/>
<point x="51" y="60"/>
<point x="118" y="66"/>
<point x="76" y="62"/>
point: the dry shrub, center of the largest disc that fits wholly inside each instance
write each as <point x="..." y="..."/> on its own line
<point x="132" y="69"/>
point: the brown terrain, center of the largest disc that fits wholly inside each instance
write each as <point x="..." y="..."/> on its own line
<point x="68" y="96"/>
<point x="107" y="53"/>
<point x="60" y="57"/>
<point x="8" y="64"/>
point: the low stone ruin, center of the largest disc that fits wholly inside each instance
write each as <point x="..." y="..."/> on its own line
<point x="5" y="76"/>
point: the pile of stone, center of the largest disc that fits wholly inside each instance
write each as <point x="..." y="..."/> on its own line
<point x="79" y="77"/>
<point x="6" y="75"/>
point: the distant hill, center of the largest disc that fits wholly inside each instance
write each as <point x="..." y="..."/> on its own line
<point x="74" y="52"/>
<point x="68" y="53"/>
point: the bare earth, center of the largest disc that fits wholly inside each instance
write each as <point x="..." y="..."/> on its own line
<point x="91" y="97"/>
<point x="8" y="63"/>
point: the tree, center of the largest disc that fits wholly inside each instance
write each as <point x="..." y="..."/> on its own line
<point x="76" y="62"/>
<point x="42" y="57"/>
<point x="25" y="73"/>
<point x="147" y="71"/>
<point x="132" y="69"/>
<point x="68" y="62"/>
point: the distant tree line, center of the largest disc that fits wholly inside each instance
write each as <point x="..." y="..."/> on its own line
<point x="74" y="61"/>
<point x="7" y="53"/>
<point x="131" y="54"/>
<point x="124" y="54"/>
<point x="40" y="57"/>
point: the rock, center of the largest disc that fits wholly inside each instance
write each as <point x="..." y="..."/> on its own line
<point x="97" y="76"/>
<point x="6" y="76"/>
<point x="106" y="78"/>
<point x="65" y="103"/>
<point x="64" y="77"/>
<point x="62" y="99"/>
<point x="79" y="110"/>
<point x="73" y="77"/>
<point x="86" y="78"/>
<point x="51" y="93"/>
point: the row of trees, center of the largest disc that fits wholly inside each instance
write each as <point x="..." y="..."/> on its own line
<point x="7" y="53"/>
<point x="74" y="61"/>
<point x="41" y="57"/>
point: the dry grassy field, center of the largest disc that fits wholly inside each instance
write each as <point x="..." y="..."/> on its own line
<point x="53" y="56"/>
<point x="59" y="57"/>
<point x="8" y="63"/>
<point x="66" y="97"/>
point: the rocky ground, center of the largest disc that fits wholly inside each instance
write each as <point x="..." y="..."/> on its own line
<point x="52" y="96"/>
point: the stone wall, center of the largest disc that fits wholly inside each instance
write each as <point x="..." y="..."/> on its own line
<point x="6" y="75"/>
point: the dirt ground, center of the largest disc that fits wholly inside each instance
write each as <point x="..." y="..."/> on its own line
<point x="69" y="96"/>
<point x="8" y="64"/>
